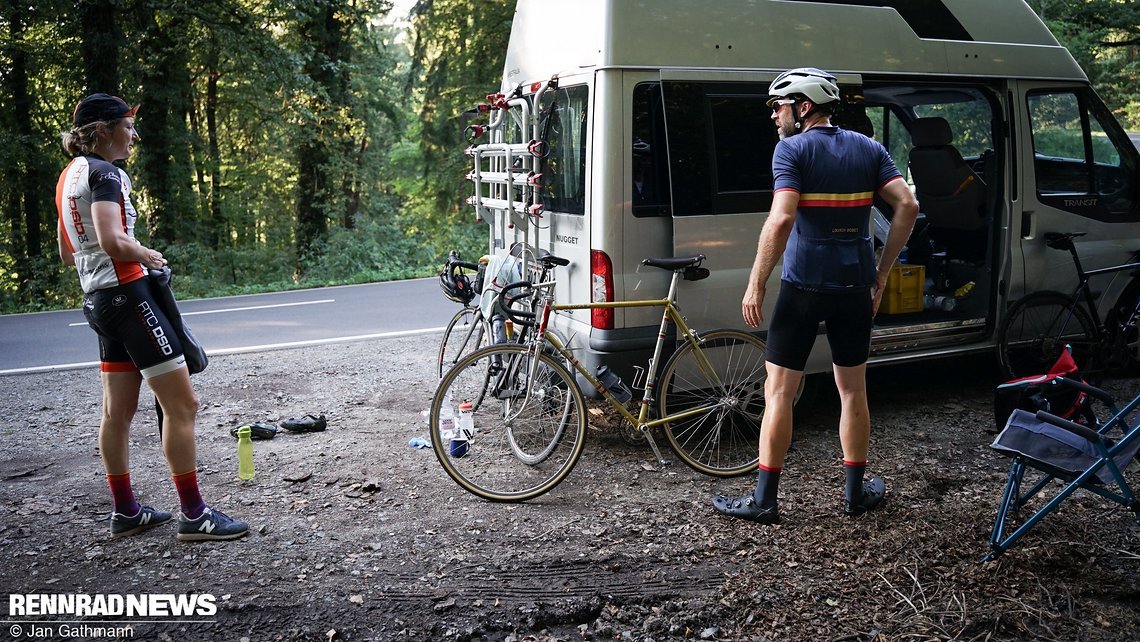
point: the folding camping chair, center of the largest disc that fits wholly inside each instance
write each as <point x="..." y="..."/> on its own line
<point x="1089" y="457"/>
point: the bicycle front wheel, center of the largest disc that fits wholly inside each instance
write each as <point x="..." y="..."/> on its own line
<point x="530" y="425"/>
<point x="466" y="333"/>
<point x="1038" y="327"/>
<point x="721" y="376"/>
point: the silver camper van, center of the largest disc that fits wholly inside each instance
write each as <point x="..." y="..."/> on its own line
<point x="627" y="129"/>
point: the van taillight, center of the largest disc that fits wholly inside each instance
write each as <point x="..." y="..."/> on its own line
<point x="601" y="289"/>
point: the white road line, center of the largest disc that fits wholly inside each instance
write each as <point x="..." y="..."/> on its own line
<point x="245" y="349"/>
<point x="251" y="307"/>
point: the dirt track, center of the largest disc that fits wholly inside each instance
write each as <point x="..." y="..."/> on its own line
<point x="359" y="536"/>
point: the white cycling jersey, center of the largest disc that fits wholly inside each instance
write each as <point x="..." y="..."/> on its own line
<point x="86" y="180"/>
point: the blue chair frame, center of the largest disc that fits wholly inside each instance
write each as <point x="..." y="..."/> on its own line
<point x="1112" y="455"/>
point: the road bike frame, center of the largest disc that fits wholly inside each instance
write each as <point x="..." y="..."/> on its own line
<point x="672" y="314"/>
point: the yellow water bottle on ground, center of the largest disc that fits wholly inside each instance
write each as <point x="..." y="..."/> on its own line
<point x="245" y="454"/>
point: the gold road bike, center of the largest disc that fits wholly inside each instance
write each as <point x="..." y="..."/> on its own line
<point x="529" y="418"/>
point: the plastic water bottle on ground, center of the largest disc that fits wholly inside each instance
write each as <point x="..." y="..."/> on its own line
<point x="466" y="420"/>
<point x="447" y="420"/>
<point x="245" y="454"/>
<point x="460" y="443"/>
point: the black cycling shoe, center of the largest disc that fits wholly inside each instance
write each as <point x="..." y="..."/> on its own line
<point x="257" y="430"/>
<point x="873" y="491"/>
<point x="745" y="507"/>
<point x="308" y="423"/>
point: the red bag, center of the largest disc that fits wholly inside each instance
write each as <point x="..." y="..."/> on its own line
<point x="1042" y="392"/>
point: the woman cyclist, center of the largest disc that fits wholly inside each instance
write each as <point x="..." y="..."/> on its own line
<point x="136" y="340"/>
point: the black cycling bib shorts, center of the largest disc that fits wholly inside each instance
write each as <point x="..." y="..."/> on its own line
<point x="796" y="318"/>
<point x="134" y="333"/>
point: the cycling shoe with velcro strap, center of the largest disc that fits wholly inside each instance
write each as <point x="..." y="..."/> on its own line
<point x="257" y="430"/>
<point x="308" y="423"/>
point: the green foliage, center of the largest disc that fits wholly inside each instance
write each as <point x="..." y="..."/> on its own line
<point x="458" y="59"/>
<point x="47" y="284"/>
<point x="1104" y="37"/>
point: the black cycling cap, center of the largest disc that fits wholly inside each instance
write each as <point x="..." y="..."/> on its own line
<point x="101" y="107"/>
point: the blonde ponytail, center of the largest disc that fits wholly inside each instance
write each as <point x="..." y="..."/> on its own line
<point x="80" y="140"/>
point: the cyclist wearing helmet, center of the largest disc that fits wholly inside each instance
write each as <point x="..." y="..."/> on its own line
<point x="136" y="339"/>
<point x="824" y="180"/>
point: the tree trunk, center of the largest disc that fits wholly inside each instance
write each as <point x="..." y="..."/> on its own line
<point x="215" y="222"/>
<point x="326" y="67"/>
<point x="101" y="35"/>
<point x="25" y="202"/>
<point x="165" y="169"/>
<point x="11" y="161"/>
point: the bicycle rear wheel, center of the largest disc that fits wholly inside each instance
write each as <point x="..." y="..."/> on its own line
<point x="530" y="425"/>
<point x="1123" y="323"/>
<point x="1038" y="327"/>
<point x="726" y="377"/>
<point x="466" y="333"/>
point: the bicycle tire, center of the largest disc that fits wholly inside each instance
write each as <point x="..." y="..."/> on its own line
<point x="1038" y="327"/>
<point x="724" y="442"/>
<point x="1123" y="326"/>
<point x="554" y="412"/>
<point x="466" y="333"/>
<point x="533" y="448"/>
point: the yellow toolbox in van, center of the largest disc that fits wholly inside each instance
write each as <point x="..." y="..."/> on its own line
<point x="904" y="290"/>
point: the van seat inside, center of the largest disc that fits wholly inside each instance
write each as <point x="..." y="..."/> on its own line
<point x="951" y="195"/>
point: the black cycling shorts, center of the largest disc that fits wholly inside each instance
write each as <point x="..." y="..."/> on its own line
<point x="795" y="322"/>
<point x="134" y="334"/>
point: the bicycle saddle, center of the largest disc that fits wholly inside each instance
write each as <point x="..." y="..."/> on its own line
<point x="674" y="263"/>
<point x="1059" y="241"/>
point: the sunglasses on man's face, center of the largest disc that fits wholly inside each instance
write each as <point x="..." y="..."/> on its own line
<point x="776" y="104"/>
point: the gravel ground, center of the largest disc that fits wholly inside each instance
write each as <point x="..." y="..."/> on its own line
<point x="358" y="536"/>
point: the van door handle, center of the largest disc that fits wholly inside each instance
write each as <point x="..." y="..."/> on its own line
<point x="1027" y="224"/>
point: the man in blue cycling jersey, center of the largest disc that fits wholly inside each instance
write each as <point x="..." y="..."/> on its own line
<point x="824" y="180"/>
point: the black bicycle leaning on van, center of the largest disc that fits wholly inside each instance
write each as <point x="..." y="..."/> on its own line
<point x="1040" y="324"/>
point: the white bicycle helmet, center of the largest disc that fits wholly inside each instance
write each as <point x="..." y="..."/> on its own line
<point x="816" y="85"/>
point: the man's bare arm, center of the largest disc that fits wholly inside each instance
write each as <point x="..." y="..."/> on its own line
<point x="773" y="239"/>
<point x="898" y="195"/>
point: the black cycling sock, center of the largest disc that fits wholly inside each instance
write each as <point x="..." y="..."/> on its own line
<point x="767" y="482"/>
<point x="853" y="489"/>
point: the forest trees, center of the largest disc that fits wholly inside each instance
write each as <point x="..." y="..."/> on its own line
<point x="265" y="131"/>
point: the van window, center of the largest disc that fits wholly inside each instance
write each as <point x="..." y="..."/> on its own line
<point x="720" y="139"/>
<point x="564" y="120"/>
<point x="892" y="134"/>
<point x="1079" y="151"/>
<point x="649" y="168"/>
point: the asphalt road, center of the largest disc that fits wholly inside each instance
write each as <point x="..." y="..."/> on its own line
<point x="57" y="340"/>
